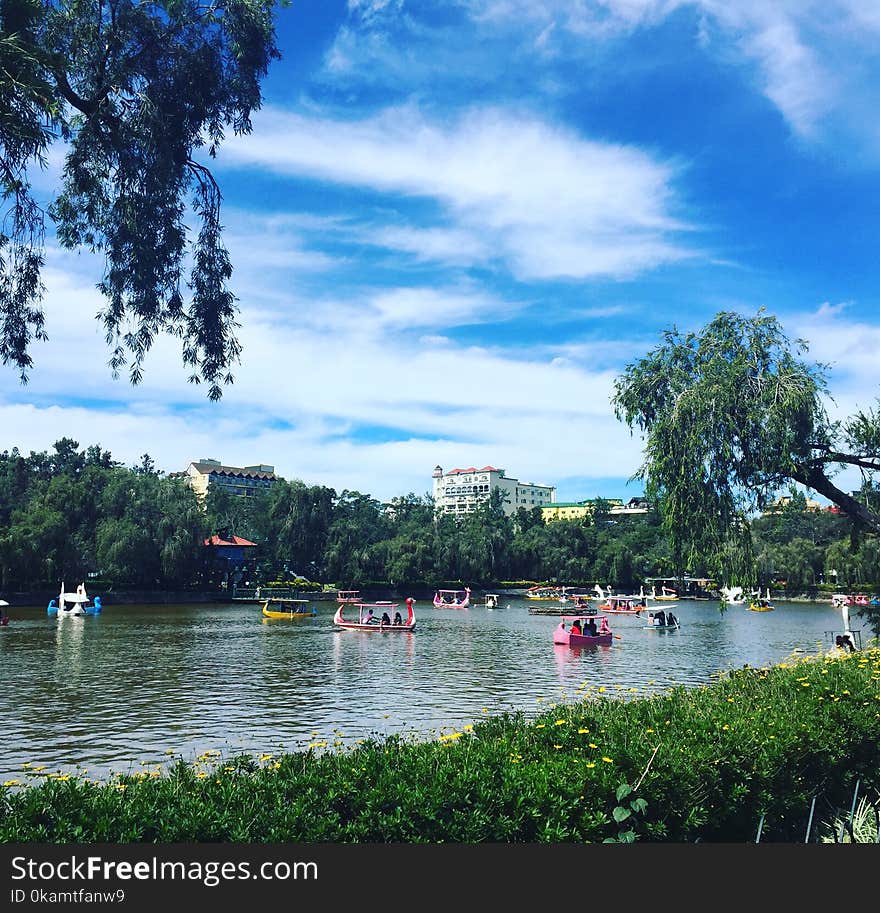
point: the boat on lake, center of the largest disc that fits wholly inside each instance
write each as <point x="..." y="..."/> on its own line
<point x="543" y="591"/>
<point x="761" y="605"/>
<point x="452" y="599"/>
<point x="348" y="596"/>
<point x="732" y="595"/>
<point x="288" y="608"/>
<point x="375" y="616"/>
<point x="77" y="603"/>
<point x="580" y="633"/>
<point x="4" y="618"/>
<point x="492" y="601"/>
<point x="623" y="605"/>
<point x="665" y="595"/>
<point x="663" y="621"/>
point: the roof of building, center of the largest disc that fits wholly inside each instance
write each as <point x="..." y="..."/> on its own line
<point x="453" y="472"/>
<point x="246" y="472"/>
<point x="231" y="540"/>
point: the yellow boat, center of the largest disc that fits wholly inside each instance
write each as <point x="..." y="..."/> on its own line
<point x="288" y="608"/>
<point x="760" y="606"/>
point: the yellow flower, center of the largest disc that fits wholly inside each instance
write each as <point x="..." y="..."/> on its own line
<point x="590" y="764"/>
<point x="201" y="775"/>
<point x="557" y="747"/>
<point x="593" y="745"/>
<point x="601" y="689"/>
<point x="582" y="731"/>
<point x="560" y="722"/>
<point x="539" y="725"/>
<point x="468" y="727"/>
<point x="608" y="760"/>
<point x="12" y="783"/>
<point x="649" y="730"/>
<point x="319" y="744"/>
<point x="725" y="726"/>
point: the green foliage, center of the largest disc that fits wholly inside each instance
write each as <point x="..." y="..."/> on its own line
<point x="730" y="415"/>
<point x="136" y="91"/>
<point x="625" y="814"/>
<point x="859" y="825"/>
<point x="74" y="512"/>
<point x="679" y="765"/>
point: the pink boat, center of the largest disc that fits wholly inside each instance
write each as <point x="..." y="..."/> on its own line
<point x="370" y="616"/>
<point x="571" y="638"/>
<point x="452" y="599"/>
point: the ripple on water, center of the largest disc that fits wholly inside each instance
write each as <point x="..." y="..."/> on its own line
<point x="138" y="681"/>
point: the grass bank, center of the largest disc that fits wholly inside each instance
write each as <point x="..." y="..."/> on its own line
<point x="690" y="764"/>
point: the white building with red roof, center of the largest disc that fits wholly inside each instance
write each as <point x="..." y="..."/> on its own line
<point x="459" y="491"/>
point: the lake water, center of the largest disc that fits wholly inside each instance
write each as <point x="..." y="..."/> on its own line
<point x="149" y="683"/>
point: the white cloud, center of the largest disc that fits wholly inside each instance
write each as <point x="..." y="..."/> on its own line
<point x="549" y="202"/>
<point x="813" y="59"/>
<point x="849" y="347"/>
<point x="305" y="398"/>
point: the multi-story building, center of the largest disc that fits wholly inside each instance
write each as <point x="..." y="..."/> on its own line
<point x="575" y="510"/>
<point x="460" y="491"/>
<point x="244" y="482"/>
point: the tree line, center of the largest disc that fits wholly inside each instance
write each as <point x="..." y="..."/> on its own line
<point x="76" y="514"/>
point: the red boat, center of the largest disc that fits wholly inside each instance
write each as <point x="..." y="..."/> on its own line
<point x="571" y="637"/>
<point x="370" y="616"/>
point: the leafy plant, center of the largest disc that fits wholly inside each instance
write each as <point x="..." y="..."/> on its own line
<point x="862" y="829"/>
<point x="626" y="815"/>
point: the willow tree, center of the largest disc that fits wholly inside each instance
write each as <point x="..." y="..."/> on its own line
<point x="133" y="90"/>
<point x="730" y="416"/>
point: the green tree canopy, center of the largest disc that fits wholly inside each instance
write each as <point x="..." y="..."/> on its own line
<point x="135" y="90"/>
<point x="731" y="415"/>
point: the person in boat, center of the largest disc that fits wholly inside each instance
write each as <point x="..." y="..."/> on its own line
<point x="671" y="619"/>
<point x="397" y="619"/>
<point x="590" y="628"/>
<point x="386" y="618"/>
<point x="603" y="626"/>
<point x="369" y="618"/>
<point x="660" y="618"/>
<point x="576" y="627"/>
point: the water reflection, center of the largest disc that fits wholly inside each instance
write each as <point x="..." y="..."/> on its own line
<point x="111" y="691"/>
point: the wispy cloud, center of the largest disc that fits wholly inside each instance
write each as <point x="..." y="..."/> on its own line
<point x="542" y="198"/>
<point x="359" y="406"/>
<point x="808" y="57"/>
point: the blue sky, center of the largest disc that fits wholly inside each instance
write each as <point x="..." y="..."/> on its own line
<point x="455" y="222"/>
